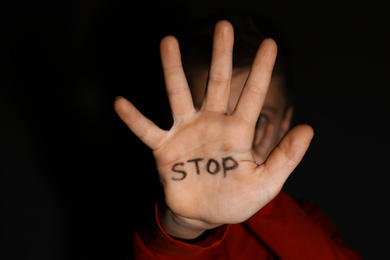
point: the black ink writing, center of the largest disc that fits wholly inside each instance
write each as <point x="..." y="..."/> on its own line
<point x="196" y="164"/>
<point x="212" y="166"/>
<point x="226" y="167"/>
<point x="174" y="169"/>
<point x="217" y="167"/>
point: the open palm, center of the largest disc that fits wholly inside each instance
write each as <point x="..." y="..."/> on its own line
<point x="205" y="160"/>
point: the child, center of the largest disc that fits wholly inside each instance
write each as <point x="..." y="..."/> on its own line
<point x="223" y="163"/>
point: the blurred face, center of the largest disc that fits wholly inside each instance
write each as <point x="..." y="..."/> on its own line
<point x="274" y="120"/>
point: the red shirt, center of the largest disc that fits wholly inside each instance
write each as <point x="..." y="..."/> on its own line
<point x="281" y="230"/>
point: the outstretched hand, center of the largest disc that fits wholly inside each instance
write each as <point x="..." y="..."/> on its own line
<point x="205" y="161"/>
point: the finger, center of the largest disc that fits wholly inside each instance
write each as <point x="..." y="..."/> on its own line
<point x="255" y="90"/>
<point x="286" y="156"/>
<point x="218" y="86"/>
<point x="146" y="130"/>
<point x="178" y="92"/>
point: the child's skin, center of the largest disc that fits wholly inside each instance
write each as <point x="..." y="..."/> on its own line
<point x="221" y="130"/>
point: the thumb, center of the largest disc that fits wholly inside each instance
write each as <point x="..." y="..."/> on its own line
<point x="286" y="156"/>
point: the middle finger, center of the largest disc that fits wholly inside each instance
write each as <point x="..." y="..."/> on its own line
<point x="218" y="86"/>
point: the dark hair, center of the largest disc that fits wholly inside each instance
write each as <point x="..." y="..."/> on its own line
<point x="249" y="31"/>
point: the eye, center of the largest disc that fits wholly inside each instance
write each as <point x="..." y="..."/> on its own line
<point x="262" y="120"/>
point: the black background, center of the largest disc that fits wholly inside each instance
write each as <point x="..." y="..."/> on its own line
<point x="74" y="179"/>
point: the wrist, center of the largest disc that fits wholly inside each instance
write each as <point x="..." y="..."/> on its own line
<point x="181" y="227"/>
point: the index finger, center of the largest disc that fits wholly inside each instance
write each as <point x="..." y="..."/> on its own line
<point x="255" y="90"/>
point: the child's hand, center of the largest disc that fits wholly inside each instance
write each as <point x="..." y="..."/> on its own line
<point x="205" y="161"/>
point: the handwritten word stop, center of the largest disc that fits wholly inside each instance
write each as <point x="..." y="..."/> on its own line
<point x="211" y="166"/>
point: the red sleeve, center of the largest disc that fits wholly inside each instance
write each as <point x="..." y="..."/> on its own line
<point x="283" y="227"/>
<point x="295" y="232"/>
<point x="156" y="244"/>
